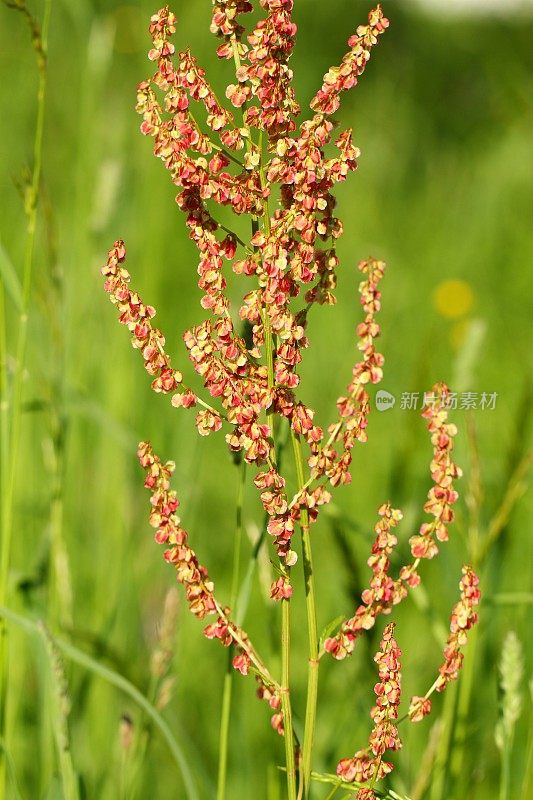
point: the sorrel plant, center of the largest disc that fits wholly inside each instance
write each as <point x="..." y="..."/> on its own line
<point x="260" y="161"/>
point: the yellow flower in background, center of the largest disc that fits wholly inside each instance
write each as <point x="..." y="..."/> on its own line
<point x="453" y="298"/>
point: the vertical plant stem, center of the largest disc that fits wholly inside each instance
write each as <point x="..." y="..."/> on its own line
<point x="224" y="727"/>
<point x="505" y="772"/>
<point x="4" y="422"/>
<point x="440" y="771"/>
<point x="4" y="461"/>
<point x="474" y="499"/>
<point x="14" y="409"/>
<point x="466" y="687"/>
<point x="285" y="603"/>
<point x="228" y="677"/>
<point x="310" y="601"/>
<point x="528" y="774"/>
<point x="286" y="699"/>
<point x="285" y="607"/>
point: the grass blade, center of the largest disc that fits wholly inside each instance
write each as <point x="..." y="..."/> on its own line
<point x="112" y="677"/>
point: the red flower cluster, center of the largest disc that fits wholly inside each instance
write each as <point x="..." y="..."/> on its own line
<point x="274" y="701"/>
<point x="368" y="765"/>
<point x="419" y="707"/>
<point x="267" y="74"/>
<point x="338" y="79"/>
<point x="355" y="408"/>
<point x="225" y="24"/>
<point x="189" y="572"/>
<point x="199" y="588"/>
<point x="383" y="593"/>
<point x="442" y="495"/>
<point x="463" y="618"/>
<point x="133" y="313"/>
<point x="290" y="251"/>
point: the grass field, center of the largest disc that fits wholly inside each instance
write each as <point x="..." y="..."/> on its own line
<point x="443" y="194"/>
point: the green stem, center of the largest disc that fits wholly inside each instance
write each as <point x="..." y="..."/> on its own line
<point x="505" y="773"/>
<point x="286" y="699"/>
<point x="310" y="601"/>
<point x="227" y="692"/>
<point x="466" y="687"/>
<point x="4" y="462"/>
<point x="228" y="677"/>
<point x="4" y="426"/>
<point x="285" y="612"/>
<point x="286" y="706"/>
<point x="285" y="604"/>
<point x="440" y="771"/>
<point x="528" y="774"/>
<point x="112" y="677"/>
<point x="15" y="410"/>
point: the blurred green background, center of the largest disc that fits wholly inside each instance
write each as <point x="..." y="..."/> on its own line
<point x="443" y="193"/>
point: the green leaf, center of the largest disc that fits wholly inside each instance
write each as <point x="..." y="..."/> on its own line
<point x="10" y="278"/>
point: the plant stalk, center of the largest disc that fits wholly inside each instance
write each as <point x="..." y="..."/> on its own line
<point x="440" y="770"/>
<point x="310" y="601"/>
<point x="227" y="690"/>
<point x="286" y="699"/>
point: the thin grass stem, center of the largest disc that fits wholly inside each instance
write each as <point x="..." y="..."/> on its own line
<point x="466" y="688"/>
<point x="310" y="601"/>
<point x="440" y="772"/>
<point x="227" y="690"/>
<point x="286" y="699"/>
<point x="527" y="784"/>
